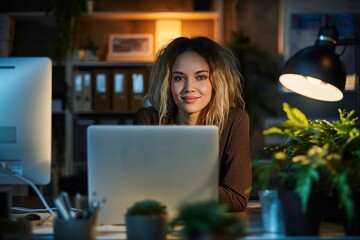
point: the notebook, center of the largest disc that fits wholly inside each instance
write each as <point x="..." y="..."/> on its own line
<point x="170" y="164"/>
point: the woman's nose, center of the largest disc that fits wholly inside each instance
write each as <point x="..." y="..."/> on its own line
<point x="189" y="85"/>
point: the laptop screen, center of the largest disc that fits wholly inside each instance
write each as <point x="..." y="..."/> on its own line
<point x="170" y="164"/>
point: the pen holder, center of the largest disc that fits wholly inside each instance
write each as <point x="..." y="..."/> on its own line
<point x="79" y="229"/>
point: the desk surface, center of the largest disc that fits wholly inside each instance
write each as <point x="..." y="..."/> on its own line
<point x="252" y="218"/>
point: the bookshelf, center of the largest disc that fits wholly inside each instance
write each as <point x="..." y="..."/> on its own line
<point x="97" y="27"/>
<point x="79" y="118"/>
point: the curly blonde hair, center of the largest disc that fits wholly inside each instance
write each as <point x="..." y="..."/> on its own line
<point x="225" y="78"/>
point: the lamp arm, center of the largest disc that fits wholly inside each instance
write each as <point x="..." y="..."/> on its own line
<point x="347" y="42"/>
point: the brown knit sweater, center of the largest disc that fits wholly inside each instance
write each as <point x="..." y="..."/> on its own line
<point x="234" y="151"/>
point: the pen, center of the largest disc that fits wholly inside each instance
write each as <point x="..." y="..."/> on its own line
<point x="81" y="206"/>
<point x="66" y="201"/>
<point x="63" y="213"/>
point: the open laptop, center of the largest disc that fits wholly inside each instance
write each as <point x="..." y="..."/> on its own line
<point x="170" y="164"/>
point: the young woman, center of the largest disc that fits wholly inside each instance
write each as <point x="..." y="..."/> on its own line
<point x="195" y="81"/>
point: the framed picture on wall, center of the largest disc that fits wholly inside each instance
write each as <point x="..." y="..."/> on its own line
<point x="130" y="47"/>
<point x="300" y="23"/>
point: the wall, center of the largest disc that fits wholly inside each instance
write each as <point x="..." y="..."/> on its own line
<point x="260" y="22"/>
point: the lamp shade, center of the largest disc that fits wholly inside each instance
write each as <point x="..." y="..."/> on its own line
<point x="316" y="71"/>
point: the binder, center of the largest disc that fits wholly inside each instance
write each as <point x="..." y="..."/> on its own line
<point x="101" y="91"/>
<point x="86" y="92"/>
<point x="120" y="90"/>
<point x="138" y="81"/>
<point x="77" y="91"/>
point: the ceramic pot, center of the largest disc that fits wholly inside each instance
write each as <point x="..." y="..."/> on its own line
<point x="79" y="229"/>
<point x="352" y="226"/>
<point x="146" y="227"/>
<point x="298" y="221"/>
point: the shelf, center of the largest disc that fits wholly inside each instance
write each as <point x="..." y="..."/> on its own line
<point x="106" y="15"/>
<point x="28" y="15"/>
<point x="152" y="15"/>
<point x="58" y="112"/>
<point x="108" y="64"/>
<point x="211" y="15"/>
<point x="105" y="113"/>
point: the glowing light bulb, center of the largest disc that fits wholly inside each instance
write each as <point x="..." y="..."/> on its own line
<point x="314" y="81"/>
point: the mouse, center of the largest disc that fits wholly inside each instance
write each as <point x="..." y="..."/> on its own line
<point x="32" y="217"/>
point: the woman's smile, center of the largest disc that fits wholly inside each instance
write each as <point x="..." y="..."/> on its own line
<point x="189" y="99"/>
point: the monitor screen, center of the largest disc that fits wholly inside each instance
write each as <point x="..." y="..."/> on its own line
<point x="25" y="119"/>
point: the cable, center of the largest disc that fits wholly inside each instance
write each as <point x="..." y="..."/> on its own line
<point x="30" y="210"/>
<point x="37" y="191"/>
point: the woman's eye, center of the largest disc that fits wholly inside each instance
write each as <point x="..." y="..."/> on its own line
<point x="178" y="78"/>
<point x="201" y="77"/>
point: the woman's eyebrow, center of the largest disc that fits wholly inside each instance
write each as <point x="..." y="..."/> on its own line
<point x="202" y="71"/>
<point x="197" y="72"/>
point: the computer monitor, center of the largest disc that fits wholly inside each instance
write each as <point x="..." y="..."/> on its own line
<point x="25" y="119"/>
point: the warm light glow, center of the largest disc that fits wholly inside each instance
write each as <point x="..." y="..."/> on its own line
<point x="165" y="31"/>
<point x="350" y="82"/>
<point x="311" y="87"/>
<point x="314" y="81"/>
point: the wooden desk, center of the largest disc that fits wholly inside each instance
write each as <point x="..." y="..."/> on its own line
<point x="252" y="217"/>
<point x="255" y="229"/>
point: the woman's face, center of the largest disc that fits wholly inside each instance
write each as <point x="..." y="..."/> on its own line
<point x="190" y="83"/>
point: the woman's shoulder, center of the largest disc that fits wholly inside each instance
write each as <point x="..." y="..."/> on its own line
<point x="147" y="111"/>
<point x="237" y="115"/>
<point x="146" y="115"/>
<point x="237" y="112"/>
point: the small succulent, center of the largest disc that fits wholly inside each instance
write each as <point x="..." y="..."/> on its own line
<point x="147" y="207"/>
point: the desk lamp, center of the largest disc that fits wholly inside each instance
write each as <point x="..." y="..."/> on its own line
<point x="317" y="71"/>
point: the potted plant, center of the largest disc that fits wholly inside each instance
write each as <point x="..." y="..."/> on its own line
<point x="146" y="219"/>
<point x="67" y="15"/>
<point x="317" y="158"/>
<point x="208" y="220"/>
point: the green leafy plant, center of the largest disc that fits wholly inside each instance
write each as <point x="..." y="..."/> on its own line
<point x="208" y="217"/>
<point x="316" y="155"/>
<point x="147" y="208"/>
